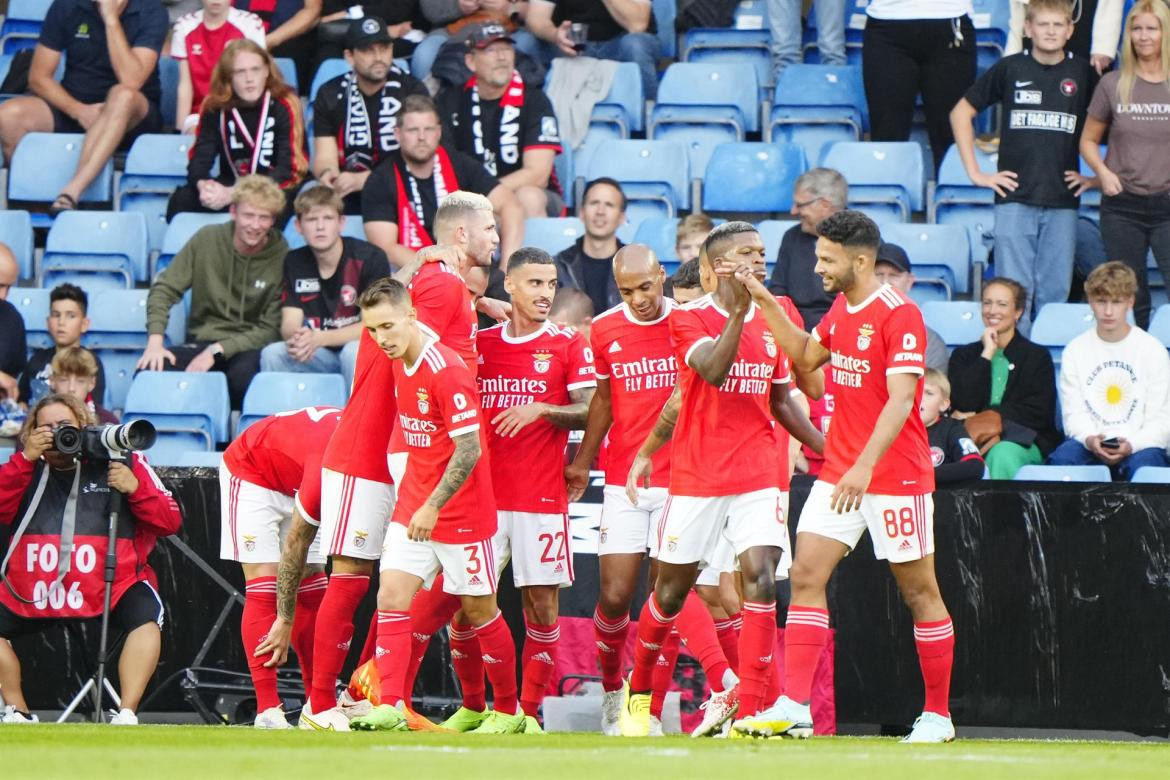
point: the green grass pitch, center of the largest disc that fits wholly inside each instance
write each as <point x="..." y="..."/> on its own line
<point x="215" y="753"/>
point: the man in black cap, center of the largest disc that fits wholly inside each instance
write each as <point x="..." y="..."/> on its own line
<point x="892" y="267"/>
<point x="511" y="129"/>
<point x="354" y="114"/>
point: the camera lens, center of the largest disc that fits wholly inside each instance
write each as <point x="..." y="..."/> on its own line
<point x="67" y="440"/>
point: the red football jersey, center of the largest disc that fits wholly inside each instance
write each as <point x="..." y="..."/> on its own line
<point x="202" y="47"/>
<point x="528" y="468"/>
<point x="782" y="435"/>
<point x="358" y="448"/>
<point x="883" y="335"/>
<point x="437" y="402"/>
<point x="283" y="453"/>
<point x="446" y="310"/>
<point x="637" y="359"/>
<point x="725" y="442"/>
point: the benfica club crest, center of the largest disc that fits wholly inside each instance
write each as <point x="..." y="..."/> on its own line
<point x="424" y="401"/>
<point x="864" y="336"/>
<point x="770" y="345"/>
<point x="250" y="543"/>
<point x="359" y="538"/>
<point x="541" y="362"/>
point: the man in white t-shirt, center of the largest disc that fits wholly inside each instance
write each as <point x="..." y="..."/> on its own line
<point x="1114" y="384"/>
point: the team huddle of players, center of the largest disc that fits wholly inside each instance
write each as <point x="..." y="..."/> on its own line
<point x="448" y="462"/>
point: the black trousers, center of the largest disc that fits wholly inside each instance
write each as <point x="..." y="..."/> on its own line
<point x="1132" y="225"/>
<point x="901" y="58"/>
<point x="239" y="368"/>
<point x="186" y="198"/>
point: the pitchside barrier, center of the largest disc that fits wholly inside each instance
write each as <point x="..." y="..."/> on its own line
<point x="1059" y="594"/>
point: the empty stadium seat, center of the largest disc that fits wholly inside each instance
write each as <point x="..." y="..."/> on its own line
<point x="1151" y="475"/>
<point x="179" y="231"/>
<point x="817" y="106"/>
<point x="747" y="46"/>
<point x="772" y="231"/>
<point x="328" y="69"/>
<point x="155" y="166"/>
<point x="622" y="111"/>
<point x="43" y="163"/>
<point x="1160" y="324"/>
<point x="958" y="322"/>
<point x="117" y="320"/>
<point x="288" y="71"/>
<point x="752" y="177"/>
<point x="33" y="305"/>
<point x="185" y="407"/>
<point x="16" y="233"/>
<point x="707" y="97"/>
<point x="552" y="234"/>
<point x="939" y="254"/>
<point x="1056" y="324"/>
<point x="1034" y="473"/>
<point x="273" y="392"/>
<point x="660" y="234"/>
<point x="654" y="175"/>
<point x="22" y="24"/>
<point x="104" y="246"/>
<point x="955" y="199"/>
<point x="354" y="228"/>
<point x="883" y="176"/>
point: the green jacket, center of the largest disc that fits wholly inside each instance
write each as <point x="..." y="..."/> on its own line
<point x="235" y="298"/>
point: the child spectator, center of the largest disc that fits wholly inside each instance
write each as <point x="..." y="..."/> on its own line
<point x="67" y="321"/>
<point x="692" y="232"/>
<point x="74" y="373"/>
<point x="955" y="456"/>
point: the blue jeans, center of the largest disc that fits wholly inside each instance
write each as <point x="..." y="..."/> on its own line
<point x="787" y="41"/>
<point x="1036" y="246"/>
<point x="1073" y="453"/>
<point x="638" y="48"/>
<point x="275" y="357"/>
<point x="427" y="50"/>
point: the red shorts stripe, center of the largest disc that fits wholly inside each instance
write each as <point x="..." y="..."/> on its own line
<point x="489" y="556"/>
<point x="662" y="520"/>
<point x="233" y="506"/>
<point x="347" y="486"/>
<point x="568" y="546"/>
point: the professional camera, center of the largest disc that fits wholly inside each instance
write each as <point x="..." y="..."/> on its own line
<point x="104" y="442"/>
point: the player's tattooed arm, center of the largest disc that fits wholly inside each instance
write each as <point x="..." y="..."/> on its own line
<point x="463" y="460"/>
<point x="292" y="566"/>
<point x="573" y="415"/>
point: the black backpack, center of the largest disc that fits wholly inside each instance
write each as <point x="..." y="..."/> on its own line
<point x="705" y="13"/>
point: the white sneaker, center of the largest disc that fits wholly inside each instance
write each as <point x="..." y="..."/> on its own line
<point x="931" y="727"/>
<point x="611" y="709"/>
<point x="11" y="715"/>
<point x="353" y="708"/>
<point x="717" y="710"/>
<point x="124" y="717"/>
<point x="785" y="718"/>
<point x="332" y="719"/>
<point x="272" y="718"/>
<point x="656" y="728"/>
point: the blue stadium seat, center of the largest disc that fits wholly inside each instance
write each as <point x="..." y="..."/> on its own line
<point x="1056" y="324"/>
<point x="33" y="305"/>
<point x="958" y="322"/>
<point x="552" y="234"/>
<point x="6" y="453"/>
<point x="731" y="44"/>
<point x="328" y="69"/>
<point x="168" y="78"/>
<point x="955" y="200"/>
<point x="192" y="408"/>
<point x="16" y="232"/>
<point x="939" y="254"/>
<point x="1033" y="473"/>
<point x="654" y="175"/>
<point x="772" y="231"/>
<point x="883" y="175"/>
<point x="817" y="106"/>
<point x="288" y="71"/>
<point x="43" y="163"/>
<point x="102" y="244"/>
<point x="708" y="97"/>
<point x="991" y="19"/>
<point x="1151" y="475"/>
<point x="155" y="166"/>
<point x="1160" y="324"/>
<point x="120" y="366"/>
<point x="659" y="233"/>
<point x="179" y="231"/>
<point x="22" y="24"/>
<point x="354" y="228"/>
<point x="622" y="112"/>
<point x="273" y="392"/>
<point x="563" y="171"/>
<point x="117" y="320"/>
<point x="752" y="177"/>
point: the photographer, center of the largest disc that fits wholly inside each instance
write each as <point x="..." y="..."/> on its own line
<point x="58" y="505"/>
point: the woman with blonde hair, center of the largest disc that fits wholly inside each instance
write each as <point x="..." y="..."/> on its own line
<point x="1133" y="105"/>
<point x="251" y="122"/>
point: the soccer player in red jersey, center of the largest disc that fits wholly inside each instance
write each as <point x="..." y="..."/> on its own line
<point x="877" y="473"/>
<point x="270" y="477"/>
<point x="445" y="516"/>
<point x="535" y="382"/>
<point x="725" y="469"/>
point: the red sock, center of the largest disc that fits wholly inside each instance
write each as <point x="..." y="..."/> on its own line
<point x="936" y="654"/>
<point x="259" y="612"/>
<point x="728" y="633"/>
<point x="429" y="612"/>
<point x="333" y="635"/>
<point x="664" y="672"/>
<point x="757" y="642"/>
<point x="499" y="660"/>
<point x="539" y="659"/>
<point x="371" y="642"/>
<point x="611" y="644"/>
<point x="392" y="654"/>
<point x="775" y="676"/>
<point x="467" y="658"/>
<point x="806" y="633"/>
<point x="653" y="628"/>
<point x="697" y="629"/>
<point x="309" y="597"/>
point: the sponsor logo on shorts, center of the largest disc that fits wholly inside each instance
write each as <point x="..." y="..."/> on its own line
<point x="457" y="655"/>
<point x="650" y="645"/>
<point x="359" y="538"/>
<point x="558" y="568"/>
<point x="766" y="659"/>
<point x="249" y="543"/>
<point x="421" y="637"/>
<point x="380" y="651"/>
<point x="343" y="645"/>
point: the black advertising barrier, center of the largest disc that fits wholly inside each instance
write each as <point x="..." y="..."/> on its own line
<point x="1059" y="592"/>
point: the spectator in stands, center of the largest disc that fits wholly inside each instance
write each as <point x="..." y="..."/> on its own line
<point x="912" y="47"/>
<point x="816" y="194"/>
<point x="319" y="319"/>
<point x="290" y="30"/>
<point x="401" y="195"/>
<point x="233" y="271"/>
<point x="689" y="236"/>
<point x="1114" y="384"/>
<point x="588" y="263"/>
<point x="685" y="284"/>
<point x="572" y="308"/>
<point x="354" y="114"/>
<point x="454" y="19"/>
<point x="622" y="30"/>
<point x="787" y="41"/>
<point x="892" y="267"/>
<point x="110" y="87"/>
<point x="338" y="17"/>
<point x="1038" y="184"/>
<point x="67" y="322"/>
<point x="13" y="346"/>
<point x="197" y="42"/>
<point x="510" y="128"/>
<point x="75" y="372"/>
<point x="1096" y="42"/>
<point x="1133" y="104"/>
<point x="251" y="122"/>
<point x="1003" y="388"/>
<point x="955" y="456"/>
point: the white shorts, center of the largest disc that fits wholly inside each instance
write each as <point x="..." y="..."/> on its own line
<point x="692" y="527"/>
<point x="625" y="528"/>
<point x="354" y="515"/>
<point x="254" y="522"/>
<point x="468" y="569"/>
<point x="539" y="545"/>
<point x="722" y="560"/>
<point x="900" y="527"/>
